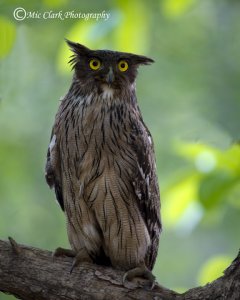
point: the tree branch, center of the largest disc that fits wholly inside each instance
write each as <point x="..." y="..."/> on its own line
<point x="30" y="273"/>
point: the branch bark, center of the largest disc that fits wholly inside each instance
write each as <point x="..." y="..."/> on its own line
<point x="29" y="273"/>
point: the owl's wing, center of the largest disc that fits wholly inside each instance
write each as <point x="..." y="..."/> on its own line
<point x="53" y="169"/>
<point x="145" y="184"/>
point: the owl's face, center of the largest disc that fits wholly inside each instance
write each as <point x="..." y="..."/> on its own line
<point x="105" y="68"/>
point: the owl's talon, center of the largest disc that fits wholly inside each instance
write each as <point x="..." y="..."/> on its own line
<point x="82" y="256"/>
<point x="143" y="272"/>
<point x="74" y="264"/>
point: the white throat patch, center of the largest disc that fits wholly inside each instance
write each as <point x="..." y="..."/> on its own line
<point x="107" y="92"/>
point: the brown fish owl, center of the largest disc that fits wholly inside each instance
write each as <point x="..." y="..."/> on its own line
<point x="101" y="164"/>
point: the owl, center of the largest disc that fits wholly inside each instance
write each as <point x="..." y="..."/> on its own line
<point x="101" y="164"/>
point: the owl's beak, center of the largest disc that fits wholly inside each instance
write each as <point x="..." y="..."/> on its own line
<point x="110" y="76"/>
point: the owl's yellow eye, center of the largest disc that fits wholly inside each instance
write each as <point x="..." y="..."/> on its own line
<point x="123" y="65"/>
<point x="94" y="64"/>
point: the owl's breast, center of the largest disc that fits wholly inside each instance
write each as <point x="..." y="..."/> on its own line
<point x="96" y="140"/>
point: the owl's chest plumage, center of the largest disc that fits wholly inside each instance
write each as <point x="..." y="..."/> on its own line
<point x="97" y="165"/>
<point x="94" y="133"/>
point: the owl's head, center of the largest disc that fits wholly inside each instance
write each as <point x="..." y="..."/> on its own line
<point x="105" y="68"/>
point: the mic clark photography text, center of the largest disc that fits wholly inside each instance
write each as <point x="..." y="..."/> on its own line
<point x="21" y="14"/>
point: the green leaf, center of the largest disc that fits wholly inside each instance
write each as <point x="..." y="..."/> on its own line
<point x="207" y="158"/>
<point x="234" y="196"/>
<point x="214" y="187"/>
<point x="54" y="3"/>
<point x="7" y="36"/>
<point x="178" y="197"/>
<point x="213" y="269"/>
<point x="132" y="34"/>
<point x="174" y="8"/>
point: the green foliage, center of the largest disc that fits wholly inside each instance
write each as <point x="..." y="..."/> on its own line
<point x="189" y="99"/>
<point x="175" y="8"/>
<point x="178" y="196"/>
<point x="7" y="36"/>
<point x="55" y="3"/>
<point x="218" y="172"/>
<point x="213" y="269"/>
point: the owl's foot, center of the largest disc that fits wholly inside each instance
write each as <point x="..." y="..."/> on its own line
<point x="141" y="271"/>
<point x="64" y="252"/>
<point x="80" y="256"/>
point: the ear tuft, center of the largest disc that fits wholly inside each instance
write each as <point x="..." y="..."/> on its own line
<point x="77" y="48"/>
<point x="143" y="60"/>
<point x="78" y="51"/>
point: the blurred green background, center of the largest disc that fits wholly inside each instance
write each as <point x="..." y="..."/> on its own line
<point x="190" y="100"/>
